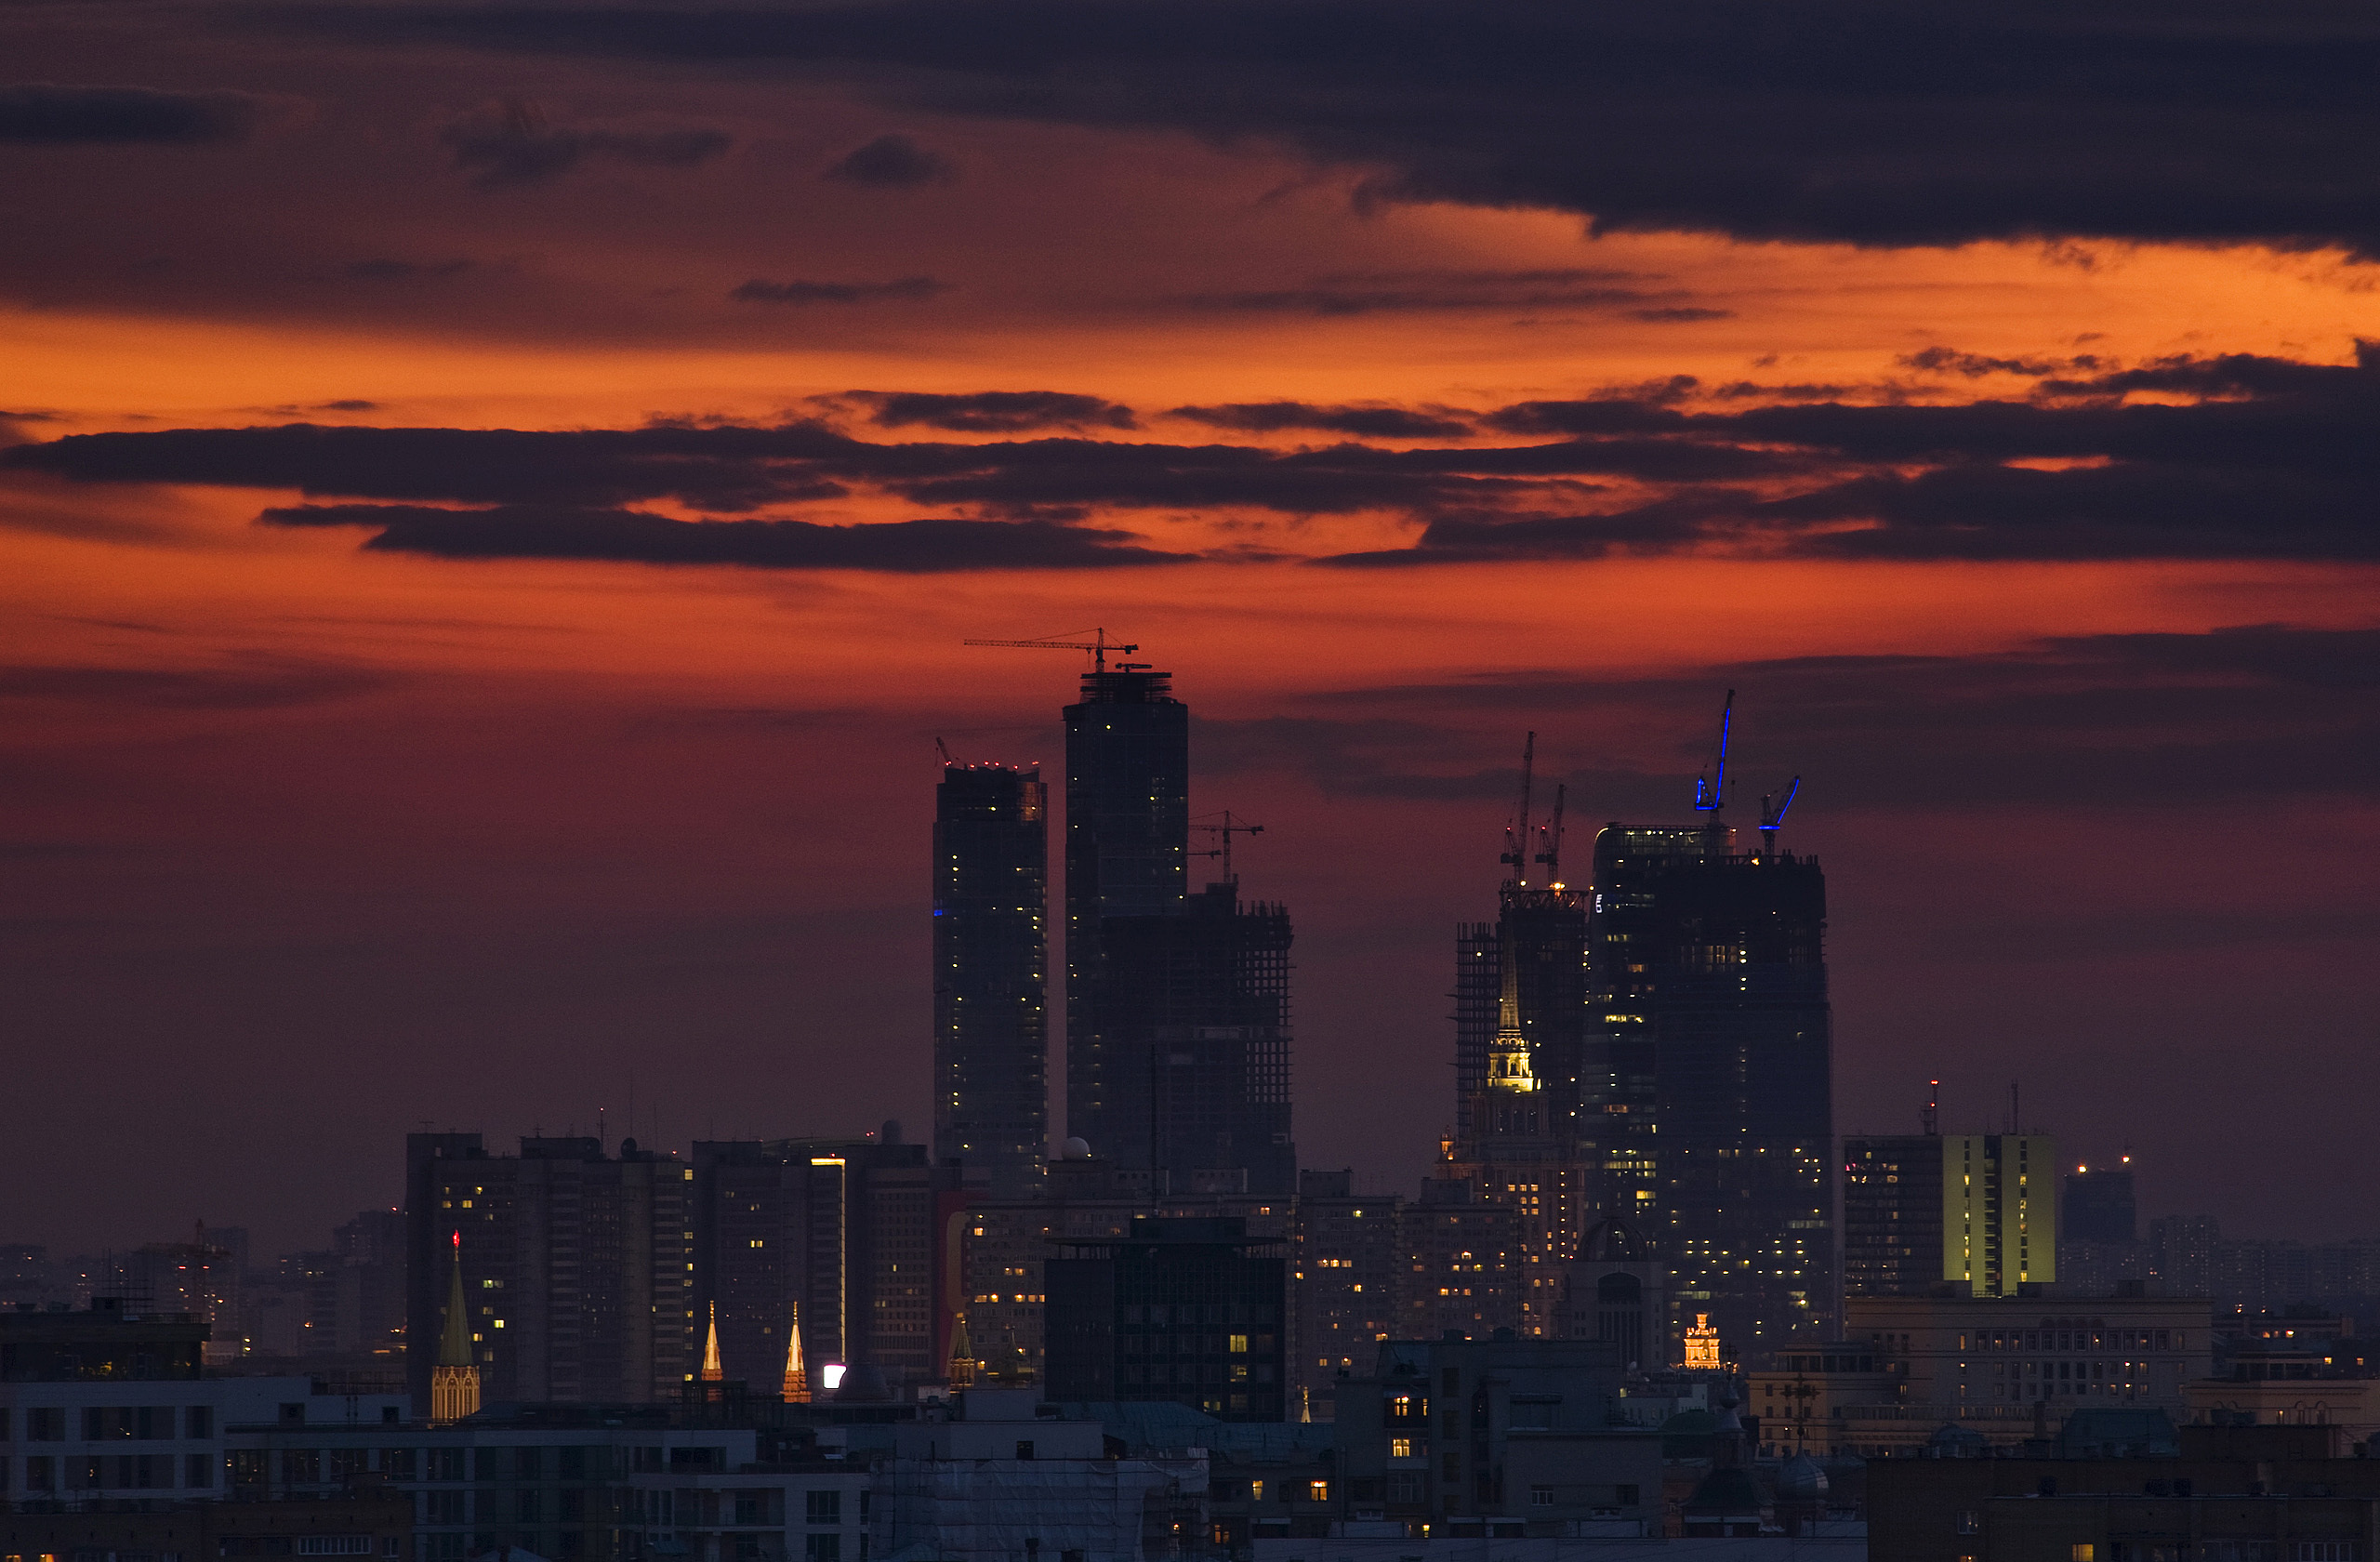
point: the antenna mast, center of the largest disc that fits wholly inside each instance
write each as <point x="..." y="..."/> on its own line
<point x="1932" y="1116"/>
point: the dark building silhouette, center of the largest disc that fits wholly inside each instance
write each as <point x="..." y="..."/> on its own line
<point x="1190" y="1310"/>
<point x="991" y="855"/>
<point x="1128" y="841"/>
<point x="859" y="1239"/>
<point x="1708" y="976"/>
<point x="576" y="1262"/>
<point x="2097" y="1205"/>
<point x="1617" y="1290"/>
<point x="1195" y="1015"/>
<point x="1177" y="1005"/>
<point x="1891" y="1215"/>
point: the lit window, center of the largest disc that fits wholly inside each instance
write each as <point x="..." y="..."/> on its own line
<point x="1318" y="1491"/>
<point x="1400" y="1448"/>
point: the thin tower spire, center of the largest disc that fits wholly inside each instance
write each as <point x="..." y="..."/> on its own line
<point x="712" y="1370"/>
<point x="796" y="1376"/>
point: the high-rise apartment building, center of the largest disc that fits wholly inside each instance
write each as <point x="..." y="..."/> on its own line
<point x="1544" y="930"/>
<point x="1965" y="1214"/>
<point x="1177" y="1005"/>
<point x="859" y="1239"/>
<point x="1188" y="1310"/>
<point x="576" y="1263"/>
<point x="1348" y="1273"/>
<point x="991" y="852"/>
<point x="1708" y="976"/>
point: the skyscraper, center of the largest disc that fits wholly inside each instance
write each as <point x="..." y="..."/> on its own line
<point x="1127" y="842"/>
<point x="1709" y="992"/>
<point x="1177" y="1005"/>
<point x="991" y="853"/>
<point x="2097" y="1206"/>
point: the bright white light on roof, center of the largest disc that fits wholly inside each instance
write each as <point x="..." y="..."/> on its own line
<point x="831" y="1375"/>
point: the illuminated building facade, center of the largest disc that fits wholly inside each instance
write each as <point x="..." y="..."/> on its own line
<point x="1519" y="1153"/>
<point x="991" y="853"/>
<point x="574" y="1263"/>
<point x="1710" y="1078"/>
<point x="1969" y="1215"/>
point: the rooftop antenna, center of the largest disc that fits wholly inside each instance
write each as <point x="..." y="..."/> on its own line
<point x="1551" y="837"/>
<point x="1228" y="828"/>
<point x="1516" y="841"/>
<point x="1931" y="1116"/>
<point x="1773" y="819"/>
<point x="1071" y="640"/>
<point x="1711" y="788"/>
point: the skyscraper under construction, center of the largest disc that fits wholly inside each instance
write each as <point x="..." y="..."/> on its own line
<point x="1176" y="1006"/>
<point x="991" y="851"/>
<point x="1710" y="1077"/>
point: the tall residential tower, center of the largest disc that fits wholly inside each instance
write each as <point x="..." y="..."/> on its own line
<point x="991" y="853"/>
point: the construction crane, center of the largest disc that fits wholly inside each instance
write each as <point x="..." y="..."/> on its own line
<point x="944" y="749"/>
<point x="1550" y="836"/>
<point x="1711" y="789"/>
<point x="1229" y="827"/>
<point x="1772" y="819"/>
<point x="1516" y="839"/>
<point x="1098" y="645"/>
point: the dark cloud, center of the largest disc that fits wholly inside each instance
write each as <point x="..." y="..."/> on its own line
<point x="1400" y="292"/>
<point x="989" y="412"/>
<point x="1836" y="121"/>
<point x="2276" y="462"/>
<point x="1946" y="360"/>
<point x="1680" y="316"/>
<point x="536" y="531"/>
<point x="349" y="404"/>
<point x="517" y="146"/>
<point x="1369" y="422"/>
<point x="760" y="292"/>
<point x="383" y="269"/>
<point x="892" y="163"/>
<point x="42" y="113"/>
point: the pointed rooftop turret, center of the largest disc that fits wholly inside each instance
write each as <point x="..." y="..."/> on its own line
<point x="454" y="1378"/>
<point x="797" y="1376"/>
<point x="712" y="1370"/>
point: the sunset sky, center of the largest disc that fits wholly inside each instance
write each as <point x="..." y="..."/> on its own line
<point x="491" y="497"/>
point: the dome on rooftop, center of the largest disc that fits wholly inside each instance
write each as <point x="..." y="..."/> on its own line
<point x="1614" y="1241"/>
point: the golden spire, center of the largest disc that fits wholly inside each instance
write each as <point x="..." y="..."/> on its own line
<point x="1508" y="1065"/>
<point x="961" y="1371"/>
<point x="796" y="1376"/>
<point x="712" y="1372"/>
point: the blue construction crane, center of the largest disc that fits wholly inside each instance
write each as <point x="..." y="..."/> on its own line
<point x="1773" y="819"/>
<point x="1711" y="789"/>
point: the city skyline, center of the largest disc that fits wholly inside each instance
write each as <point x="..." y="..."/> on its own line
<point x="491" y="513"/>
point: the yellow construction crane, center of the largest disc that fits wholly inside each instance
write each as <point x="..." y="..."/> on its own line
<point x="1098" y="645"/>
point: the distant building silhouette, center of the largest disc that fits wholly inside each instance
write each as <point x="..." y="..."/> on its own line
<point x="991" y="857"/>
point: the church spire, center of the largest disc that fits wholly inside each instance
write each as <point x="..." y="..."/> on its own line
<point x="712" y="1370"/>
<point x="455" y="1380"/>
<point x="796" y="1376"/>
<point x="1508" y="1063"/>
